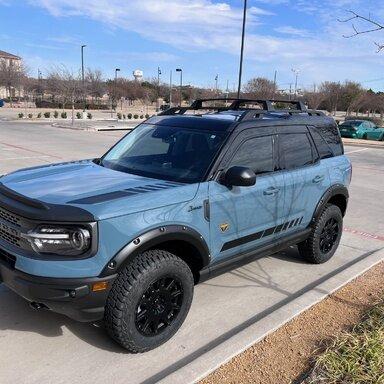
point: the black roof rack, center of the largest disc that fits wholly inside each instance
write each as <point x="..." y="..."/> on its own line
<point x="250" y="112"/>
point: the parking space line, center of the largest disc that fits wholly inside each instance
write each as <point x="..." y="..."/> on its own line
<point x="366" y="235"/>
<point x="31" y="150"/>
<point x="24" y="157"/>
<point x="357" y="150"/>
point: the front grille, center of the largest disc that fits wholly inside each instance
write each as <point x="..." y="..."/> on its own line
<point x="9" y="217"/>
<point x="11" y="227"/>
<point x="7" y="258"/>
<point x="15" y="240"/>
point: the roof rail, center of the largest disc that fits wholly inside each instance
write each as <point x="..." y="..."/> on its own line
<point x="266" y="106"/>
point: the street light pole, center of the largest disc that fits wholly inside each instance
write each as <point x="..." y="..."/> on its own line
<point x="115" y="96"/>
<point x="242" y="49"/>
<point x="170" y="89"/>
<point x="82" y="75"/>
<point x="158" y="87"/>
<point x="216" y="84"/>
<point x="181" y="84"/>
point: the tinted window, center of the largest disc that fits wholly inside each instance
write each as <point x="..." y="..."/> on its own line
<point x="295" y="150"/>
<point x="321" y="145"/>
<point x="332" y="137"/>
<point x="257" y="154"/>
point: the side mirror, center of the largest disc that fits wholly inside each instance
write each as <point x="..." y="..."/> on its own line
<point x="239" y="177"/>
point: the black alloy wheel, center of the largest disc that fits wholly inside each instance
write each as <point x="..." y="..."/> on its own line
<point x="159" y="306"/>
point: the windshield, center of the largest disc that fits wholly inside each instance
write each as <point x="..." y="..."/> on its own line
<point x="166" y="153"/>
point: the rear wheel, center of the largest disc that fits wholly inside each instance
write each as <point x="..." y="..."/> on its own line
<point x="149" y="301"/>
<point x="325" y="236"/>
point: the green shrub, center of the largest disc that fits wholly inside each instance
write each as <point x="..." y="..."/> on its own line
<point x="89" y="116"/>
<point x="39" y="115"/>
<point x="147" y="116"/>
<point x="55" y="114"/>
<point x="135" y="116"/>
<point x="21" y="115"/>
<point x="129" y="116"/>
<point x="119" y="115"/>
<point x="47" y="115"/>
<point x="141" y="117"/>
<point x="78" y="115"/>
<point x="124" y="117"/>
<point x="30" y="115"/>
<point x="63" y="115"/>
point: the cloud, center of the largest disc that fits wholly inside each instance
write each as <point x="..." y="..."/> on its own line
<point x="289" y="30"/>
<point x="208" y="25"/>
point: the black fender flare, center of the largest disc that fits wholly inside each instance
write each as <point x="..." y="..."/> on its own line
<point x="337" y="189"/>
<point x="154" y="237"/>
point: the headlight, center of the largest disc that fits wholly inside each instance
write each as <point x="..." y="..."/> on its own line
<point x="66" y="241"/>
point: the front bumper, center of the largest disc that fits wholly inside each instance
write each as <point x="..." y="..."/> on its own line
<point x="71" y="297"/>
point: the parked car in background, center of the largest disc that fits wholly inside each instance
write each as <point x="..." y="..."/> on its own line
<point x="361" y="129"/>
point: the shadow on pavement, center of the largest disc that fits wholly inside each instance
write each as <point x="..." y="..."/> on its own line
<point x="18" y="316"/>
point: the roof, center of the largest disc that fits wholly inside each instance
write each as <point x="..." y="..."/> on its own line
<point x="6" y="55"/>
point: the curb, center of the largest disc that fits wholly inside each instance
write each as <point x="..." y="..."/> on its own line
<point x="257" y="330"/>
<point x="364" y="143"/>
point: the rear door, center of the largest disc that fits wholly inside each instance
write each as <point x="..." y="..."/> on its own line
<point x="306" y="177"/>
<point x="243" y="218"/>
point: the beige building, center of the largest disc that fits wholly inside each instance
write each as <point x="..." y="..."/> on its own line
<point x="10" y="60"/>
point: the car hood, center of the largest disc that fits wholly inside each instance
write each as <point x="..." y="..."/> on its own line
<point x="101" y="191"/>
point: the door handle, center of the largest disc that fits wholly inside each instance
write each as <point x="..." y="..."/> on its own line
<point x="271" y="191"/>
<point x="318" y="179"/>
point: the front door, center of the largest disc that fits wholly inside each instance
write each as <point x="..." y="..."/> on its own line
<point x="243" y="218"/>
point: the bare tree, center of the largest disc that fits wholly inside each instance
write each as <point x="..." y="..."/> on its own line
<point x="66" y="84"/>
<point x="260" y="87"/>
<point x="372" y="26"/>
<point x="95" y="85"/>
<point x="12" y="76"/>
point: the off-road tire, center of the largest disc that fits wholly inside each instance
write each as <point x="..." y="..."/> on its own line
<point x="128" y="290"/>
<point x="311" y="249"/>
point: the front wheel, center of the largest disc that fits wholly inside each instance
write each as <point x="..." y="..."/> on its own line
<point x="149" y="301"/>
<point x="325" y="236"/>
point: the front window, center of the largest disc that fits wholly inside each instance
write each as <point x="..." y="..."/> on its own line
<point x="166" y="153"/>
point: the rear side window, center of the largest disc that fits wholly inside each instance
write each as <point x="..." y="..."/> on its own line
<point x="330" y="134"/>
<point x="256" y="153"/>
<point x="295" y="150"/>
<point x="322" y="147"/>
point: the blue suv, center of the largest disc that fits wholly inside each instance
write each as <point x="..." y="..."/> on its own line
<point x="188" y="194"/>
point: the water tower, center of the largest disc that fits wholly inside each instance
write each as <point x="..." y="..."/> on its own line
<point x="138" y="75"/>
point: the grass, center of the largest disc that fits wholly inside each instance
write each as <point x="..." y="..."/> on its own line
<point x="355" y="357"/>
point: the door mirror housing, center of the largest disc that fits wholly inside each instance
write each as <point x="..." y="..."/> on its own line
<point x="237" y="176"/>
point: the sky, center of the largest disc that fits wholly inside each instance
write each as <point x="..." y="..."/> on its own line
<point x="200" y="36"/>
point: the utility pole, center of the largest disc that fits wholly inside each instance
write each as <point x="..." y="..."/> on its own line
<point x="296" y="72"/>
<point x="227" y="93"/>
<point x="274" y="84"/>
<point x="170" y="89"/>
<point x="82" y="75"/>
<point x="242" y="49"/>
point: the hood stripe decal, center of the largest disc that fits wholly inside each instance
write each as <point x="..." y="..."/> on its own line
<point x="124" y="193"/>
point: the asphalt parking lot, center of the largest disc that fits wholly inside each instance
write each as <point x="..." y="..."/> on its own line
<point x="229" y="312"/>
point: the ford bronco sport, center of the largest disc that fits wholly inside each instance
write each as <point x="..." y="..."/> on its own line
<point x="188" y="194"/>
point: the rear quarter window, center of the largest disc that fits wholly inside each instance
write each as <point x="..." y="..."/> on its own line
<point x="331" y="135"/>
